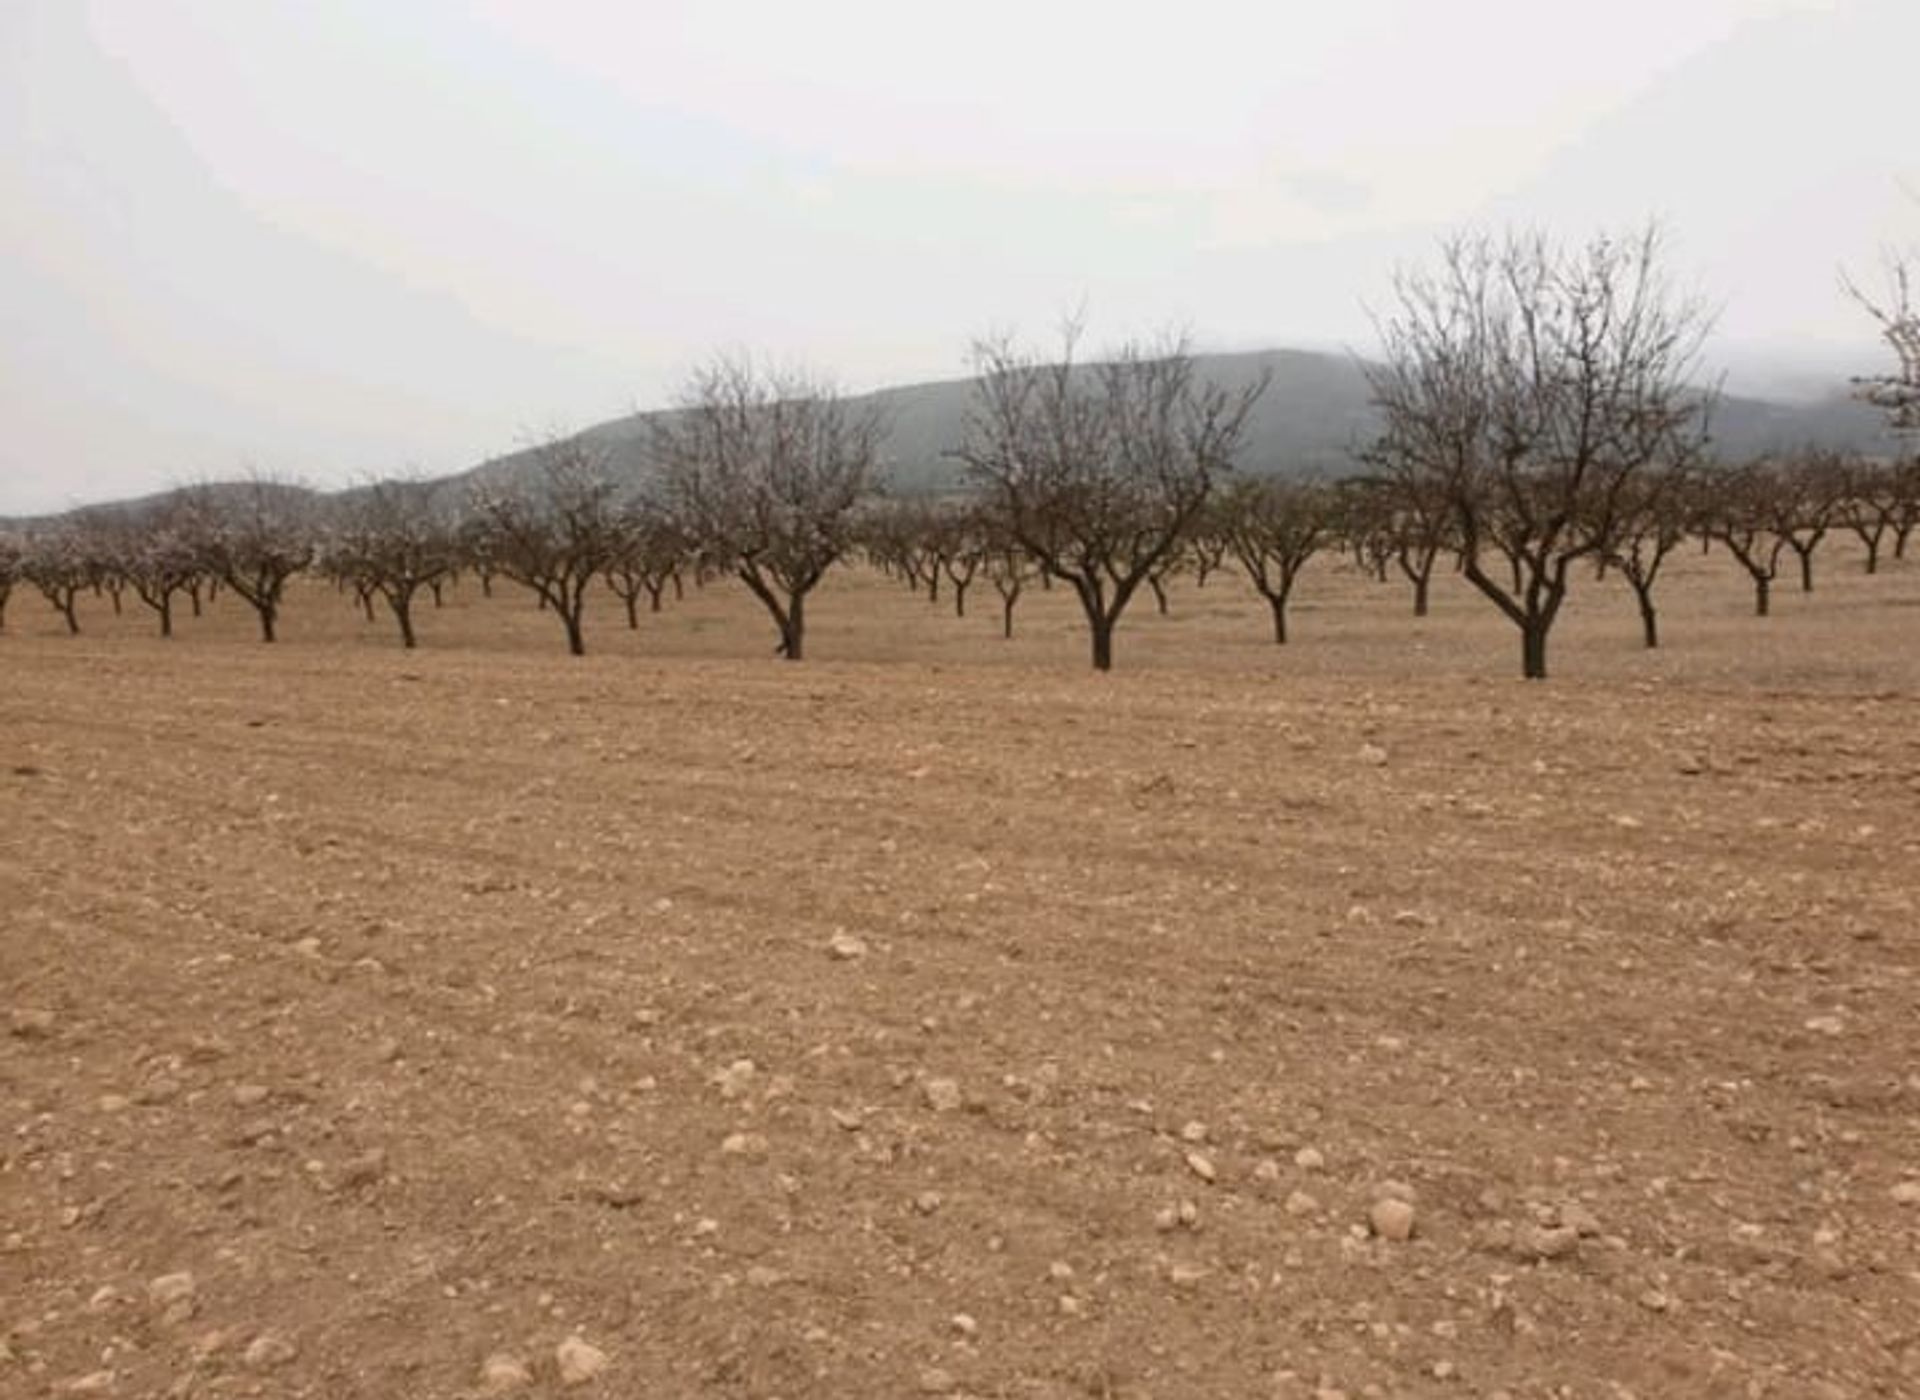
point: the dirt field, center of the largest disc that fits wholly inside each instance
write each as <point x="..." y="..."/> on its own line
<point x="936" y="1016"/>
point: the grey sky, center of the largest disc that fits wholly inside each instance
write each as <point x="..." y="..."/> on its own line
<point x="344" y="239"/>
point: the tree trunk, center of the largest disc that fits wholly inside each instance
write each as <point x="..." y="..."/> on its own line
<point x="576" y="635"/>
<point x="67" y="611"/>
<point x="1762" y="594"/>
<point x="1806" y="569"/>
<point x="402" y="606"/>
<point x="960" y="598"/>
<point x="1533" y="648"/>
<point x="1101" y="628"/>
<point x="1006" y="614"/>
<point x="1278" y="602"/>
<point x="793" y="632"/>
<point x="632" y="600"/>
<point x="193" y="594"/>
<point x="1649" y="620"/>
<point x="165" y="609"/>
<point x="1420" y="596"/>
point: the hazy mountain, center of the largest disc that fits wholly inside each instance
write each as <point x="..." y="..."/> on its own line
<point x="1315" y="411"/>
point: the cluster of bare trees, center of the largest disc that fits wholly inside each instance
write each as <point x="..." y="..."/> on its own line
<point x="1541" y="405"/>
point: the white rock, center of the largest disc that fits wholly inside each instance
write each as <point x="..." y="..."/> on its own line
<point x="847" y="946"/>
<point x="579" y="1361"/>
<point x="1907" y="1193"/>
<point x="942" y="1095"/>
<point x="268" y="1350"/>
<point x="168" y="1289"/>
<point x="1392" y="1219"/>
<point x="1202" y="1166"/>
<point x="1309" y="1159"/>
<point x="502" y="1372"/>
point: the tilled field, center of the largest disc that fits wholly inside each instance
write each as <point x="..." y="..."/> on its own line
<point x="936" y="1017"/>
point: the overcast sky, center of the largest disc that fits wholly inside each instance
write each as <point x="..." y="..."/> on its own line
<point x="353" y="238"/>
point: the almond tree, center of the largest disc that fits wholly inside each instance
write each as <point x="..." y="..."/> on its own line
<point x="552" y="534"/>
<point x="254" y="536"/>
<point x="1806" y="499"/>
<point x="1871" y="505"/>
<point x="1529" y="386"/>
<point x="1097" y="472"/>
<point x="1657" y="515"/>
<point x="650" y="555"/>
<point x="394" y="540"/>
<point x="766" y="473"/>
<point x="163" y="560"/>
<point x="1273" y="528"/>
<point x="1738" y="510"/>
<point x="9" y="573"/>
<point x="56" y="562"/>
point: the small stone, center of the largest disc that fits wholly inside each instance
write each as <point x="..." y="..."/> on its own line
<point x="1653" y="1300"/>
<point x="927" y="1202"/>
<point x="936" y="1381"/>
<point x="503" y="1372"/>
<point x="1300" y="1203"/>
<point x="268" y="1350"/>
<point x="1826" y="1025"/>
<point x="114" y="1103"/>
<point x="1690" y="765"/>
<point x="169" y="1289"/>
<point x="1392" y="1219"/>
<point x="103" y="1299"/>
<point x="744" y="1145"/>
<point x="761" y="1276"/>
<point x="386" y="1051"/>
<point x="1194" y="1132"/>
<point x="1373" y="755"/>
<point x="1907" y="1193"/>
<point x="1202" y="1166"/>
<point x="847" y="946"/>
<point x="1309" y="1159"/>
<point x="93" y="1383"/>
<point x="736" y="1078"/>
<point x="964" y="1324"/>
<point x="1266" y="1169"/>
<point x="942" y="1095"/>
<point x="364" y="1170"/>
<point x="1578" y="1218"/>
<point x="1186" y="1275"/>
<point x="579" y="1361"/>
<point x="1059" y="1271"/>
<point x="250" y="1095"/>
<point x="31" y="1023"/>
<point x="1540" y="1242"/>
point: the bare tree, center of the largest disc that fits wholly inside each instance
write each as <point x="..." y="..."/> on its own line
<point x="163" y="560"/>
<point x="1872" y="504"/>
<point x="1530" y="386"/>
<point x="254" y="536"/>
<point x="553" y="534"/>
<point x="57" y="563"/>
<point x="1657" y="514"/>
<point x="9" y="572"/>
<point x="1097" y="472"/>
<point x="393" y="539"/>
<point x="1896" y="393"/>
<point x="766" y="473"/>
<point x="1808" y="492"/>
<point x="650" y="554"/>
<point x="1738" y="510"/>
<point x="1274" y="527"/>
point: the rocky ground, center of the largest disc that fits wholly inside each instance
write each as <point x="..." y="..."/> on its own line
<point x="935" y="1017"/>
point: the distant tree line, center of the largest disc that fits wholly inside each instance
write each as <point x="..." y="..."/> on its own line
<point x="1543" y="415"/>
